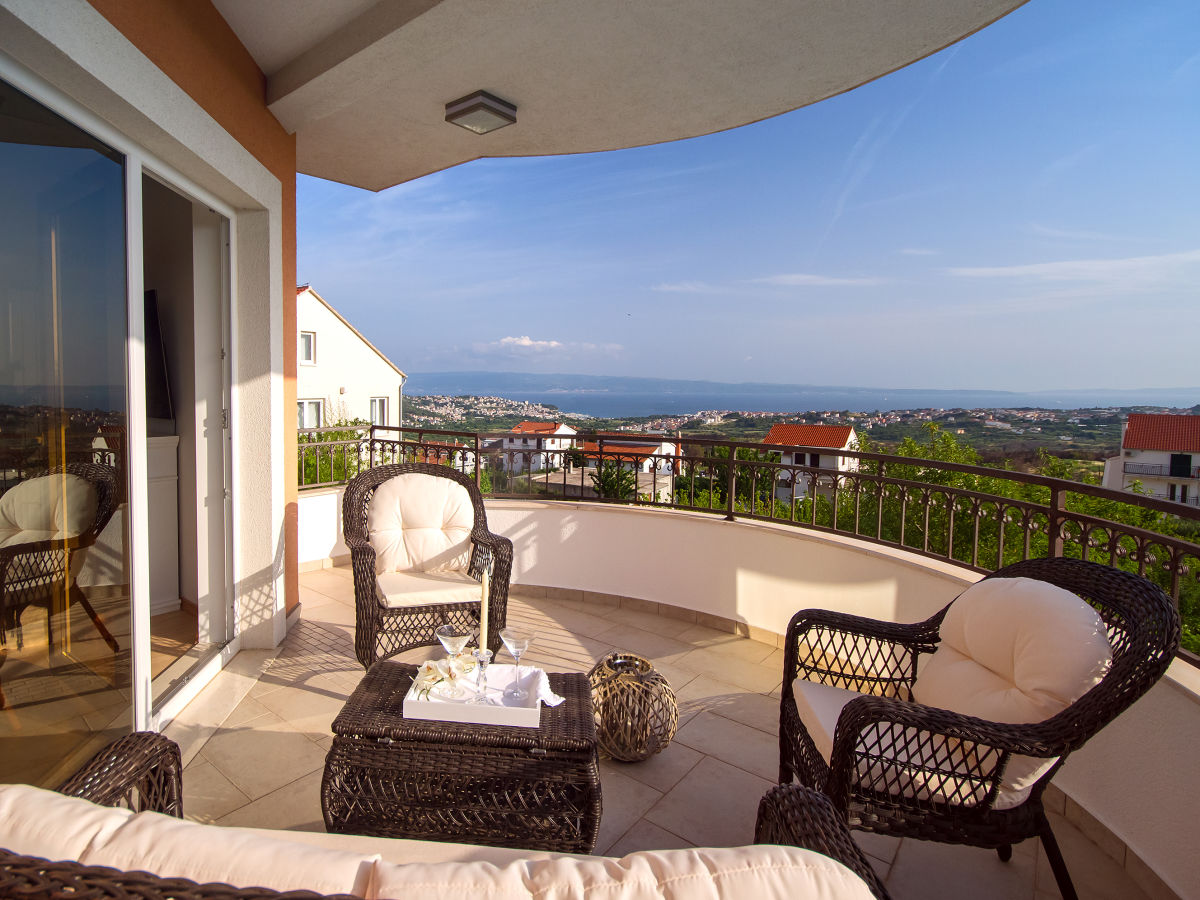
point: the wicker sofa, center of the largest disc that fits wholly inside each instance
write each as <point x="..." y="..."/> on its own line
<point x="113" y="830"/>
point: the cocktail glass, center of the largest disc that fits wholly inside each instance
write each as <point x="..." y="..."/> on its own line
<point x="517" y="642"/>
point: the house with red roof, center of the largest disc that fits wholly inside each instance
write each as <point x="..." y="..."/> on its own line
<point x="810" y="446"/>
<point x="533" y="446"/>
<point x="638" y="454"/>
<point x="1160" y="451"/>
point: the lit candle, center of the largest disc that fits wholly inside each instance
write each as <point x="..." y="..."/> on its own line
<point x="485" y="584"/>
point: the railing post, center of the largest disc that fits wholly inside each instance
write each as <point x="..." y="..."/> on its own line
<point x="730" y="483"/>
<point x="478" y="461"/>
<point x="1055" y="523"/>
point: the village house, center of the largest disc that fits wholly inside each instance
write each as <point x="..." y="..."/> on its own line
<point x="809" y="442"/>
<point x="1161" y="452"/>
<point x="341" y="376"/>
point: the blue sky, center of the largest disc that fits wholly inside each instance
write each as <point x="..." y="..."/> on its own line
<point x="1020" y="211"/>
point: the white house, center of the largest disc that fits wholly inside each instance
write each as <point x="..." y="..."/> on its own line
<point x="814" y="438"/>
<point x="648" y="454"/>
<point x="340" y="375"/>
<point x="1162" y="452"/>
<point x="533" y="446"/>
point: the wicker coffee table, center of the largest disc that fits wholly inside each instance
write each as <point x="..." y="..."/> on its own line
<point x="448" y="781"/>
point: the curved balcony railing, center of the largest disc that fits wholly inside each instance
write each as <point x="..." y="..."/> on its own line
<point x="974" y="516"/>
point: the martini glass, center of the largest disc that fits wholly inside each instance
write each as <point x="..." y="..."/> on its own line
<point x="454" y="638"/>
<point x="517" y="642"/>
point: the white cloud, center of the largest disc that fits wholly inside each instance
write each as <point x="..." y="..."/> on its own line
<point x="525" y="342"/>
<point x="687" y="287"/>
<point x="1169" y="269"/>
<point x="803" y="279"/>
<point x="526" y="347"/>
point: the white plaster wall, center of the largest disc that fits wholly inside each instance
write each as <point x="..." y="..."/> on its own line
<point x="343" y="362"/>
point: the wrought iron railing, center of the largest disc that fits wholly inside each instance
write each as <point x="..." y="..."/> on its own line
<point x="975" y="516"/>
<point x="1159" y="470"/>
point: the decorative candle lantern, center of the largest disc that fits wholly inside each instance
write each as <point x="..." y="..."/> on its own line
<point x="636" y="710"/>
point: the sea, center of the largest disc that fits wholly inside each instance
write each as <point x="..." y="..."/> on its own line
<point x="615" y="403"/>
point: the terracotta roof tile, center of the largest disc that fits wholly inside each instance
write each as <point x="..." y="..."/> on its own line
<point x="1162" y="431"/>
<point x="836" y="436"/>
<point x="536" y="427"/>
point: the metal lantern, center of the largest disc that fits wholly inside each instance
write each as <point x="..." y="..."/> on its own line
<point x="636" y="710"/>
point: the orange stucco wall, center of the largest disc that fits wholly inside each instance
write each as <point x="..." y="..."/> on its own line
<point x="190" y="42"/>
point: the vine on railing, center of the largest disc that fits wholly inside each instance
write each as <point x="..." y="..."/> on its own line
<point x="978" y="517"/>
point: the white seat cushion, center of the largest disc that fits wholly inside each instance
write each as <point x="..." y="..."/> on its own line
<point x="11" y="537"/>
<point x="420" y="523"/>
<point x="49" y="504"/>
<point x="1015" y="650"/>
<point x="819" y="706"/>
<point x="400" y="589"/>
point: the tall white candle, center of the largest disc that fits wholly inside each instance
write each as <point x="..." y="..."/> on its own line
<point x="485" y="585"/>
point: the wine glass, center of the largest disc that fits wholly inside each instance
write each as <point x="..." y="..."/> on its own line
<point x="517" y="642"/>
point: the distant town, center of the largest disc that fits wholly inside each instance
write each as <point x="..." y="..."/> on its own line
<point x="1010" y="433"/>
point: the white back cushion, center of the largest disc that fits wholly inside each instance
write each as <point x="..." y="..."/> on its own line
<point x="60" y="505"/>
<point x="37" y="822"/>
<point x="763" y="872"/>
<point x="1015" y="650"/>
<point x="420" y="523"/>
<point x="174" y="848"/>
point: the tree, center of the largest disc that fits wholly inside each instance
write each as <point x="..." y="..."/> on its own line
<point x="338" y="456"/>
<point x="613" y="481"/>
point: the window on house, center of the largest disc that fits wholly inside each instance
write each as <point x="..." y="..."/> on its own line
<point x="1170" y="492"/>
<point x="308" y="348"/>
<point x="379" y="410"/>
<point x="814" y="459"/>
<point x="309" y="413"/>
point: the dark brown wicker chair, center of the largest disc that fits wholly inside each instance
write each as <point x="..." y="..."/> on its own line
<point x="880" y="658"/>
<point x="30" y="573"/>
<point x="801" y="817"/>
<point x="142" y="771"/>
<point x="380" y="631"/>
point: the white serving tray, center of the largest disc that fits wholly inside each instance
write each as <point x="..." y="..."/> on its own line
<point x="502" y="710"/>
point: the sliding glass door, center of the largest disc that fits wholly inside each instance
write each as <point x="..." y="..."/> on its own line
<point x="65" y="609"/>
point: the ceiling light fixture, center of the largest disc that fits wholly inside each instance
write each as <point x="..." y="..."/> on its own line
<point x="481" y="112"/>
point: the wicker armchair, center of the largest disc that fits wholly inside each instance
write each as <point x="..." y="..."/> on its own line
<point x="387" y="628"/>
<point x="142" y="771"/>
<point x="944" y="781"/>
<point x="32" y="571"/>
<point x="799" y="816"/>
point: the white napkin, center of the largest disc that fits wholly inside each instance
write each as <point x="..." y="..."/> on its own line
<point x="534" y="681"/>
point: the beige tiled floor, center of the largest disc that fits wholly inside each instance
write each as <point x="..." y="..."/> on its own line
<point x="262" y="766"/>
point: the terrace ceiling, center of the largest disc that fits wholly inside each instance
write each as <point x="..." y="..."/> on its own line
<point x="364" y="83"/>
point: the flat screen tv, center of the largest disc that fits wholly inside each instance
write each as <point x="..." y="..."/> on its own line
<point x="158" y="386"/>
